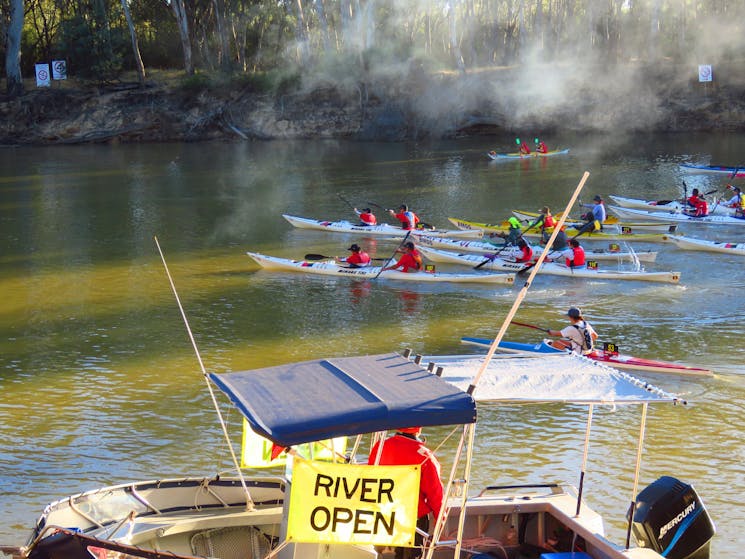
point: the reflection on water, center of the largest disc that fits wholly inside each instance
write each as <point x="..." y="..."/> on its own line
<point x="99" y="380"/>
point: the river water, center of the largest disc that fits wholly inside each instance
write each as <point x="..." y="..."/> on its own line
<point x="100" y="384"/>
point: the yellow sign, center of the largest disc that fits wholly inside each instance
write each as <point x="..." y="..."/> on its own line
<point x="256" y="451"/>
<point x="343" y="503"/>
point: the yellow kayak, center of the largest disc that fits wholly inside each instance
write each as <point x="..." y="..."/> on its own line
<point x="490" y="228"/>
<point x="612" y="222"/>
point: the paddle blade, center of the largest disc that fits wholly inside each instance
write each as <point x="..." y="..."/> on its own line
<point x="526" y="269"/>
<point x="517" y="141"/>
<point x="316" y="257"/>
<point x="485" y="262"/>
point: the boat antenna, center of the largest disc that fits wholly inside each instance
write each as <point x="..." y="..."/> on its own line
<point x="249" y="500"/>
<point x="524" y="290"/>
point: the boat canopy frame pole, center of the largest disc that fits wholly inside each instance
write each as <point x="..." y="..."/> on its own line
<point x="468" y="434"/>
<point x="640" y="447"/>
<point x="249" y="500"/>
<point x="584" y="459"/>
<point x="524" y="290"/>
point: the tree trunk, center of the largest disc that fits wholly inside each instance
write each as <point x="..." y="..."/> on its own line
<point x="179" y="10"/>
<point x="225" y="59"/>
<point x="135" y="45"/>
<point x="13" y="50"/>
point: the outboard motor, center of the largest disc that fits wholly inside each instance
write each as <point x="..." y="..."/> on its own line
<point x="671" y="519"/>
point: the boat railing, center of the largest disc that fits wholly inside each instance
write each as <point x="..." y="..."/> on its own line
<point x="555" y="488"/>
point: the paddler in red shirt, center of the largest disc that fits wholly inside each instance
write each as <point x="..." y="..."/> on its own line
<point x="410" y="261"/>
<point x="578" y="255"/>
<point x="404" y="448"/>
<point x="526" y="253"/>
<point x="366" y="216"/>
<point x="698" y="203"/>
<point x="540" y="147"/>
<point x="524" y="149"/>
<point x="358" y="259"/>
<point x="407" y="218"/>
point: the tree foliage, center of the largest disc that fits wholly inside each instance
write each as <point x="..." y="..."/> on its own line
<point x="354" y="37"/>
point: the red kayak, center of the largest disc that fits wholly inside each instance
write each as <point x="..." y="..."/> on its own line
<point x="614" y="359"/>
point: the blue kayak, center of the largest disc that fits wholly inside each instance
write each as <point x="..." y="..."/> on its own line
<point x="540" y="347"/>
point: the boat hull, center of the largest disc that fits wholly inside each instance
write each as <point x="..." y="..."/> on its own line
<point x="625" y="235"/>
<point x="632" y="213"/>
<point x="382" y="230"/>
<point x="733" y="172"/>
<point x="516" y="155"/>
<point x="330" y="268"/>
<point x="617" y="360"/>
<point x="689" y="243"/>
<point x="175" y="514"/>
<point x="484" y="248"/>
<point x="667" y="206"/>
<point x="547" y="268"/>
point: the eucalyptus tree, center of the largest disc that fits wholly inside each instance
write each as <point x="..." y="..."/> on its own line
<point x="182" y="21"/>
<point x="14" y="81"/>
<point x="135" y="44"/>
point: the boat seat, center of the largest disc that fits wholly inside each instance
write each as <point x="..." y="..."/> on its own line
<point x="237" y="542"/>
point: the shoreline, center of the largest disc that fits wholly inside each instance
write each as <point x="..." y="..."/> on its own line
<point x="438" y="106"/>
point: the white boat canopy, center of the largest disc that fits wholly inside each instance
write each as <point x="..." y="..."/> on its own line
<point x="567" y="378"/>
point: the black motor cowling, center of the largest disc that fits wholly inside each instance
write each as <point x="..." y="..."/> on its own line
<point x="671" y="519"/>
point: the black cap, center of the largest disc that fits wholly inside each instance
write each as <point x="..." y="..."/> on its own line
<point x="574" y="312"/>
<point x="409" y="244"/>
<point x="597" y="198"/>
<point x="355" y="247"/>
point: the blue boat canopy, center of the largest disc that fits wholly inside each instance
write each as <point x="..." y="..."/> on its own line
<point x="325" y="398"/>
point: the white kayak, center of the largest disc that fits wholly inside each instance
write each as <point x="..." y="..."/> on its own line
<point x="612" y="254"/>
<point x="331" y="268"/>
<point x="611" y="225"/>
<point x="665" y="205"/>
<point x="382" y="229"/>
<point x="548" y="268"/>
<point x="689" y="243"/>
<point x="631" y="213"/>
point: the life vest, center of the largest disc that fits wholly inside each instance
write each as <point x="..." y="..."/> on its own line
<point x="368" y="218"/>
<point x="587" y="344"/>
<point x="578" y="257"/>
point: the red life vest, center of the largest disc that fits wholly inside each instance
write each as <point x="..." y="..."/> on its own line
<point x="578" y="257"/>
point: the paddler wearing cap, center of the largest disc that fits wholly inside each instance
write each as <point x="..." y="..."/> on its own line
<point x="410" y="261"/>
<point x="358" y="259"/>
<point x="598" y="209"/>
<point x="579" y="336"/>
<point x="407" y="447"/>
<point x="595" y="218"/>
